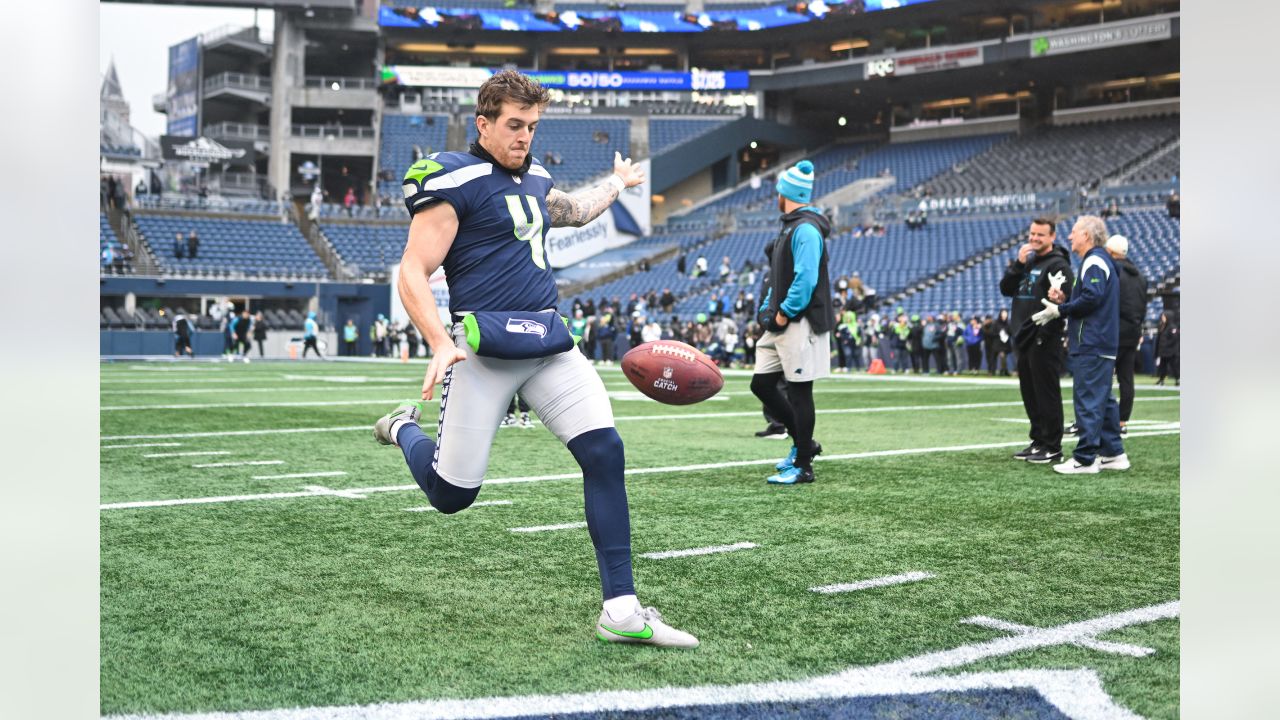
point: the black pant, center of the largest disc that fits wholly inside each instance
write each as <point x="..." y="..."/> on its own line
<point x="1125" y="359"/>
<point x="1039" y="371"/>
<point x="310" y="344"/>
<point x="262" y="347"/>
<point x="606" y="349"/>
<point x="795" y="410"/>
<point x="975" y="356"/>
<point x="1169" y="366"/>
<point x="773" y="420"/>
<point x="939" y="358"/>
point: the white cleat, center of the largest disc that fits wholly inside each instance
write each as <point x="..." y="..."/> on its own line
<point x="1119" y="462"/>
<point x="644" y="627"/>
<point x="1074" y="467"/>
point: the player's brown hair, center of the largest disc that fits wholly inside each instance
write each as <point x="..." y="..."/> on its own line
<point x="513" y="87"/>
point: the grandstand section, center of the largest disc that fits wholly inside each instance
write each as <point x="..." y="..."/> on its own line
<point x="575" y="150"/>
<point x="1057" y="158"/>
<point x="665" y="133"/>
<point x="230" y="247"/>
<point x="405" y="138"/>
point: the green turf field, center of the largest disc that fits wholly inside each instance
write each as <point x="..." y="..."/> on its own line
<point x="282" y="593"/>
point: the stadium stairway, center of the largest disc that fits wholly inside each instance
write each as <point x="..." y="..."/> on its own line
<point x="323" y="246"/>
<point x="1126" y="173"/>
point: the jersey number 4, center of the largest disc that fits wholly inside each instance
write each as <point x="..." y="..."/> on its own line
<point x="528" y="225"/>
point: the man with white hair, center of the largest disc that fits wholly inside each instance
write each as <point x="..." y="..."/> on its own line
<point x="1093" y="336"/>
<point x="1133" y="307"/>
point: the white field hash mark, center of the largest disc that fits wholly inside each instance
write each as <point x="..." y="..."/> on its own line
<point x="189" y="453"/>
<point x="324" y="473"/>
<point x="577" y="475"/>
<point x="141" y="445"/>
<point x="913" y="576"/>
<point x="1076" y="693"/>
<point x="666" y="554"/>
<point x="238" y="463"/>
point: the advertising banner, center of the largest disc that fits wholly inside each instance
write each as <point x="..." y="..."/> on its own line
<point x="702" y="80"/>
<point x="969" y="202"/>
<point x="1101" y="36"/>
<point x="182" y="96"/>
<point x="915" y="63"/>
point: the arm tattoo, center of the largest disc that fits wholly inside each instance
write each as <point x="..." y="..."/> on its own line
<point x="581" y="207"/>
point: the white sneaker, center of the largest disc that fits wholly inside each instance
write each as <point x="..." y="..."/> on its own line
<point x="645" y="627"/>
<point x="525" y="422"/>
<point x="509" y="420"/>
<point x="1119" y="462"/>
<point x="1074" y="467"/>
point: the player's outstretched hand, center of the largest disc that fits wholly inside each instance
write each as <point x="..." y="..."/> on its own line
<point x="632" y="175"/>
<point x="440" y="362"/>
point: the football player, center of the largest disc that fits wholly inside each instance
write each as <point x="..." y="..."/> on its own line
<point x="484" y="216"/>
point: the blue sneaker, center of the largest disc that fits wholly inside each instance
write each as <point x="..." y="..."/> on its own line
<point x="791" y="476"/>
<point x="790" y="460"/>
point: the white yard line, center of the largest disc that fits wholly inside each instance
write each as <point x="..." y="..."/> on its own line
<point x="482" y="503"/>
<point x="324" y="473"/>
<point x="631" y="471"/>
<point x="548" y="528"/>
<point x="914" y="576"/>
<point x="1076" y="693"/>
<point x="238" y="463"/>
<point x="623" y="418"/>
<point x="187" y="454"/>
<point x="139" y="445"/>
<point x="666" y="554"/>
<point x="1089" y="643"/>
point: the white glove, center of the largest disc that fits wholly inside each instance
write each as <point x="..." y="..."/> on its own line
<point x="1056" y="280"/>
<point x="1050" y="312"/>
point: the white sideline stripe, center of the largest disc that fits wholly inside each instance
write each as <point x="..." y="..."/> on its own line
<point x="187" y="454"/>
<point x="1076" y="693"/>
<point x="325" y="473"/>
<point x="546" y="528"/>
<point x="912" y="576"/>
<point x="632" y="471"/>
<point x="293" y="403"/>
<point x="665" y="554"/>
<point x="238" y="463"/>
<point x="1090" y="643"/>
<point x="482" y="503"/>
<point x="625" y="418"/>
<point x="119" y="447"/>
<point x="206" y="391"/>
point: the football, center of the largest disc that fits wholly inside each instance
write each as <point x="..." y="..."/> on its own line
<point x="672" y="372"/>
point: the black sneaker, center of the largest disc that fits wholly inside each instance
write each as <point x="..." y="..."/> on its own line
<point x="1043" y="456"/>
<point x="1072" y="429"/>
<point x="773" y="432"/>
<point x="1124" y="430"/>
<point x="1026" y="452"/>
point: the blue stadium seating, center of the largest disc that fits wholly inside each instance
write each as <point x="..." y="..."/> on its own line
<point x="400" y="133"/>
<point x="669" y="132"/>
<point x="370" y="247"/>
<point x="254" y="248"/>
<point x="211" y="204"/>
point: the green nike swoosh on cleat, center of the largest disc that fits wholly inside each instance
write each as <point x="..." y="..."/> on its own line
<point x="644" y="634"/>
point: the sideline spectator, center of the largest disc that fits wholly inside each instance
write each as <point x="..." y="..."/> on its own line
<point x="1168" y="348"/>
<point x="310" y="333"/>
<point x="1133" y="307"/>
<point x="1040" y="264"/>
<point x="260" y="333"/>
<point x="1093" y="337"/>
<point x="182" y="332"/>
<point x="179" y="246"/>
<point x="973" y="344"/>
<point x="350" y="333"/>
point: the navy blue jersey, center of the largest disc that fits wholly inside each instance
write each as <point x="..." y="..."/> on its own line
<point x="498" y="260"/>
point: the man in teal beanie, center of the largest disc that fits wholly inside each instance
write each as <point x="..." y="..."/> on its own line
<point x="798" y="315"/>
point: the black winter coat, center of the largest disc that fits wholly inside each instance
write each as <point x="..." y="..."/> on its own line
<point x="1133" y="302"/>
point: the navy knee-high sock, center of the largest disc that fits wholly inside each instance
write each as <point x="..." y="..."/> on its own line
<point x="420" y="453"/>
<point x="600" y="454"/>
